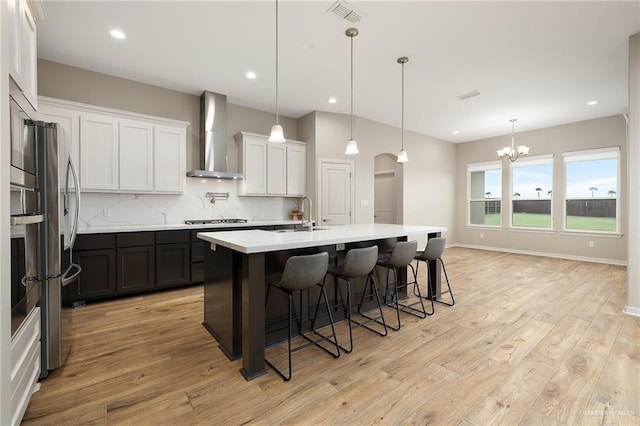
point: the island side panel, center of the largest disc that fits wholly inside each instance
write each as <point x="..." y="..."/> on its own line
<point x="222" y="301"/>
<point x="253" y="315"/>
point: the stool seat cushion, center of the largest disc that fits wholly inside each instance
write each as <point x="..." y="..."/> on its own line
<point x="357" y="263"/>
<point x="433" y="250"/>
<point x="301" y="272"/>
<point x="402" y="254"/>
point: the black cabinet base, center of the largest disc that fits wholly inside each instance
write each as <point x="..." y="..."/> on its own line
<point x="213" y="334"/>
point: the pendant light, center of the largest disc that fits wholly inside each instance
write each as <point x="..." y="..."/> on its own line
<point x="352" y="146"/>
<point x="402" y="155"/>
<point x="277" y="133"/>
<point x="511" y="152"/>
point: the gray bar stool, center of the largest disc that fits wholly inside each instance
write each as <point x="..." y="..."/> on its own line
<point x="301" y="273"/>
<point x="360" y="262"/>
<point x="401" y="257"/>
<point x="433" y="252"/>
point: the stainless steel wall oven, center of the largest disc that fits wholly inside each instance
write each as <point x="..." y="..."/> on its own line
<point x="26" y="218"/>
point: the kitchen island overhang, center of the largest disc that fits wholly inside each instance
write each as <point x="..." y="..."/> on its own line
<point x="239" y="261"/>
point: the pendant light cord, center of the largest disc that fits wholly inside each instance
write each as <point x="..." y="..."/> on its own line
<point x="402" y="119"/>
<point x="351" y="88"/>
<point x="277" y="122"/>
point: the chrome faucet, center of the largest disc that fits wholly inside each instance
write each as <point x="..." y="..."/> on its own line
<point x="309" y="223"/>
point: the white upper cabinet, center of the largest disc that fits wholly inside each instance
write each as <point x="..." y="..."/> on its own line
<point x="296" y="169"/>
<point x="252" y="158"/>
<point x="136" y="156"/>
<point x="270" y="169"/>
<point x="169" y="158"/>
<point x="119" y="151"/>
<point x="23" y="49"/>
<point x="276" y="169"/>
<point x="68" y="137"/>
<point x="98" y="152"/>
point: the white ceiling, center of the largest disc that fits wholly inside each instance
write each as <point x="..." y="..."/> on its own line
<point x="539" y="62"/>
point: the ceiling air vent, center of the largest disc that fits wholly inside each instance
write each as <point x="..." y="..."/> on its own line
<point x="346" y="11"/>
<point x="469" y="95"/>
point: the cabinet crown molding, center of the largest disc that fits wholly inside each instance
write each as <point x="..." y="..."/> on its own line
<point x="112" y="111"/>
<point x="242" y="134"/>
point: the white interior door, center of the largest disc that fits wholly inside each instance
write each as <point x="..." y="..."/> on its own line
<point x="385" y="198"/>
<point x="335" y="193"/>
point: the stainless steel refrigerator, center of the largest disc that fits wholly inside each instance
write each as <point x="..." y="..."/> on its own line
<point x="60" y="228"/>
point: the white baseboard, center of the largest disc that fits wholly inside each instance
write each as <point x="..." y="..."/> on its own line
<point x="630" y="310"/>
<point x="544" y="254"/>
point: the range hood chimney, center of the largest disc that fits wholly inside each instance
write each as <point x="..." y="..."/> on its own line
<point x="213" y="138"/>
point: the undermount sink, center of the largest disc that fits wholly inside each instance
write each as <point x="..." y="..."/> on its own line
<point x="300" y="229"/>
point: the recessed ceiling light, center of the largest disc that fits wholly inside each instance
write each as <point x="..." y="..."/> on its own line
<point x="250" y="75"/>
<point x="455" y="132"/>
<point x="117" y="34"/>
<point x="592" y="103"/>
<point x="332" y="100"/>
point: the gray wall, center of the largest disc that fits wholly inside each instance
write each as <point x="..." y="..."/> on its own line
<point x="598" y="133"/>
<point x="307" y="133"/>
<point x="75" y="84"/>
<point x="428" y="179"/>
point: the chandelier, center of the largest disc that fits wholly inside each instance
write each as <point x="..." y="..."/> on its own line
<point x="511" y="152"/>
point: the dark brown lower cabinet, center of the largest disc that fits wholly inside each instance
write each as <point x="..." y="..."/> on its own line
<point x="98" y="276"/>
<point x="136" y="269"/>
<point x="115" y="264"/>
<point x="173" y="265"/>
<point x="96" y="254"/>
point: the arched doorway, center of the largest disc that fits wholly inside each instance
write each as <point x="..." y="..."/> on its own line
<point x="388" y="192"/>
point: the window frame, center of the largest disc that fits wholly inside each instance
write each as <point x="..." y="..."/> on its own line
<point x="595" y="154"/>
<point x="480" y="167"/>
<point x="544" y="159"/>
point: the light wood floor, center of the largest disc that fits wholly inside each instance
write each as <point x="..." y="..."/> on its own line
<point x="531" y="340"/>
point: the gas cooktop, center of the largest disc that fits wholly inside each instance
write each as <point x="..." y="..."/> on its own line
<point x="213" y="221"/>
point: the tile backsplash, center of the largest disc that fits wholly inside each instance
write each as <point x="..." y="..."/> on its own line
<point x="99" y="210"/>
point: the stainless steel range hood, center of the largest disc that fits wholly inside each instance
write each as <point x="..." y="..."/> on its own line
<point x="213" y="138"/>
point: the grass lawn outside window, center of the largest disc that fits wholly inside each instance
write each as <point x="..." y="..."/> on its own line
<point x="531" y="220"/>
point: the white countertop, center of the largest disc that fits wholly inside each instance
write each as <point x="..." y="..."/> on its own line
<point x="179" y="226"/>
<point x="258" y="241"/>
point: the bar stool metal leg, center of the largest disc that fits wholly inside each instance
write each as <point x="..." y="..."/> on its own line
<point x="374" y="291"/>
<point x="301" y="273"/>
<point x="430" y="288"/>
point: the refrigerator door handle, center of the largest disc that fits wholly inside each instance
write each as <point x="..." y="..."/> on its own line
<point x="76" y="185"/>
<point x="64" y="279"/>
<point x="26" y="219"/>
<point x="26" y="279"/>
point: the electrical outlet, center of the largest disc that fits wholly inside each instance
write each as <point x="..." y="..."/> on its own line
<point x="339" y="246"/>
<point x="364" y="203"/>
<point x="106" y="212"/>
<point x="482" y="235"/>
<point x="592" y="244"/>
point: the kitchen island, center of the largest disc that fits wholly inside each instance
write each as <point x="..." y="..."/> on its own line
<point x="239" y="261"/>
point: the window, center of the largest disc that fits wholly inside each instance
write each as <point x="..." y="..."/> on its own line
<point x="531" y="184"/>
<point x="484" y="189"/>
<point x="591" y="190"/>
